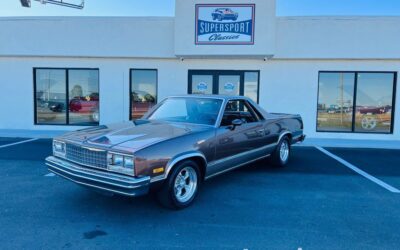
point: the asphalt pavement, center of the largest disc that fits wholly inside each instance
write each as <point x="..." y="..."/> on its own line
<point x="315" y="202"/>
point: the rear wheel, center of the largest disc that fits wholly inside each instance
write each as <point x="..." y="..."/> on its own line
<point x="181" y="187"/>
<point x="280" y="157"/>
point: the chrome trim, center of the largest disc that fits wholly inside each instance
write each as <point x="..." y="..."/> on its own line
<point x="80" y="163"/>
<point x="123" y="163"/>
<point x="100" y="174"/>
<point x="91" y="179"/>
<point x="282" y="135"/>
<point x="98" y="179"/>
<point x="172" y="163"/>
<point x="240" y="155"/>
<point x="90" y="185"/>
<point x="237" y="166"/>
<point x="93" y="149"/>
<point x="221" y="113"/>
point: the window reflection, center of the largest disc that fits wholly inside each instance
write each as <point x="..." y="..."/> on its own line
<point x="335" y="101"/>
<point x="251" y="85"/>
<point x="78" y="106"/>
<point x="83" y="96"/>
<point x="371" y="103"/>
<point x="374" y="102"/>
<point x="50" y="96"/>
<point x="143" y="91"/>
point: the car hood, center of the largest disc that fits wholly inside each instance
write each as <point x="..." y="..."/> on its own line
<point x="129" y="136"/>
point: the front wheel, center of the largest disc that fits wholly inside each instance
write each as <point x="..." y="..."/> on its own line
<point x="280" y="157"/>
<point x="181" y="187"/>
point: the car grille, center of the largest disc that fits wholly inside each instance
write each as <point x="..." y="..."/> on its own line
<point x="86" y="157"/>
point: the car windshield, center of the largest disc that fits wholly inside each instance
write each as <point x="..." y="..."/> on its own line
<point x="189" y="110"/>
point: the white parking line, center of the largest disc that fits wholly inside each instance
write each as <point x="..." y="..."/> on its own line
<point x="359" y="171"/>
<point x="20" y="142"/>
<point x="50" y="175"/>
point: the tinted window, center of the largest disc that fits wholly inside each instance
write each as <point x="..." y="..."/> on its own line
<point x="67" y="96"/>
<point x="188" y="110"/>
<point x="238" y="109"/>
<point x="374" y="102"/>
<point x="51" y="97"/>
<point x="368" y="109"/>
<point x="83" y="96"/>
<point x="335" y="101"/>
<point x="251" y="85"/>
<point x="143" y="91"/>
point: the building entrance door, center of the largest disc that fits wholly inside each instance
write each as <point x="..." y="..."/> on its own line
<point x="225" y="82"/>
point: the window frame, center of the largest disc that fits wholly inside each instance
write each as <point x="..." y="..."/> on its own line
<point x="66" y="96"/>
<point x="356" y="73"/>
<point x="215" y="75"/>
<point x="248" y="106"/>
<point x="130" y="88"/>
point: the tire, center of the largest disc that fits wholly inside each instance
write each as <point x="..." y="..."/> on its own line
<point x="220" y="18"/>
<point x="189" y="187"/>
<point x="280" y="157"/>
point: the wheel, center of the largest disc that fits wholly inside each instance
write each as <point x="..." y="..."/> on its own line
<point x="280" y="157"/>
<point x="368" y="122"/>
<point x="181" y="187"/>
<point x="220" y="18"/>
<point x="94" y="117"/>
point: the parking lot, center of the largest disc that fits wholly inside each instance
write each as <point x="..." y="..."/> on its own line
<point x="316" y="202"/>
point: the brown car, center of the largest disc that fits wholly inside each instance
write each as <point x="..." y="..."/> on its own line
<point x="178" y="144"/>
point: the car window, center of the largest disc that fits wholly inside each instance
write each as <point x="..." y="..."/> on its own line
<point x="189" y="110"/>
<point x="238" y="109"/>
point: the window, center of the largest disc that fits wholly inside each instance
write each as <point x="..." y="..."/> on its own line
<point x="143" y="91"/>
<point x="359" y="102"/>
<point x="66" y="96"/>
<point x="224" y="82"/>
<point x="238" y="109"/>
<point x="188" y="110"/>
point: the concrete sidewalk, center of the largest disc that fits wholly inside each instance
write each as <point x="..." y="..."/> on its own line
<point x="309" y="142"/>
<point x="25" y="133"/>
<point x="350" y="143"/>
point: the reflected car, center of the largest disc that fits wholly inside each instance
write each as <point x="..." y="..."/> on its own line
<point x="86" y="105"/>
<point x="373" y="110"/>
<point x="221" y="14"/>
<point x="175" y="147"/>
<point x="334" y="109"/>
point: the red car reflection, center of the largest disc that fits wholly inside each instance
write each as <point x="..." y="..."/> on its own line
<point x="374" y="110"/>
<point x="86" y="105"/>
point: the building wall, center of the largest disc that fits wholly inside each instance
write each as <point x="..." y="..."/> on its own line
<point x="285" y="86"/>
<point x="87" y="36"/>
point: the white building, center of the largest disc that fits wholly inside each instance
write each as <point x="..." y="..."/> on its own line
<point x="339" y="73"/>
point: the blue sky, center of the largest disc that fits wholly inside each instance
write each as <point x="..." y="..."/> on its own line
<point x="166" y="8"/>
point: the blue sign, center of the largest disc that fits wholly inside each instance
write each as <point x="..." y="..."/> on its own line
<point x="202" y="86"/>
<point x="229" y="87"/>
<point x="225" y="24"/>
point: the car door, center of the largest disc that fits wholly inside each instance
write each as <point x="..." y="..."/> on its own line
<point x="240" y="144"/>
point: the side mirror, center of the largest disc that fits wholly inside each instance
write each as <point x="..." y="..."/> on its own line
<point x="236" y="123"/>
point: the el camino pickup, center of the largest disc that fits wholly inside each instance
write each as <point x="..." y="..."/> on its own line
<point x="172" y="149"/>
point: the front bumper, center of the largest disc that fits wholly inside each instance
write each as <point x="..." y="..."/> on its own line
<point x="100" y="180"/>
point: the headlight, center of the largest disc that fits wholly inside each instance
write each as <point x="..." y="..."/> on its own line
<point x="58" y="148"/>
<point x="120" y="163"/>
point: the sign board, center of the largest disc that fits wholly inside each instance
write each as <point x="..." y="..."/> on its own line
<point x="225" y="24"/>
